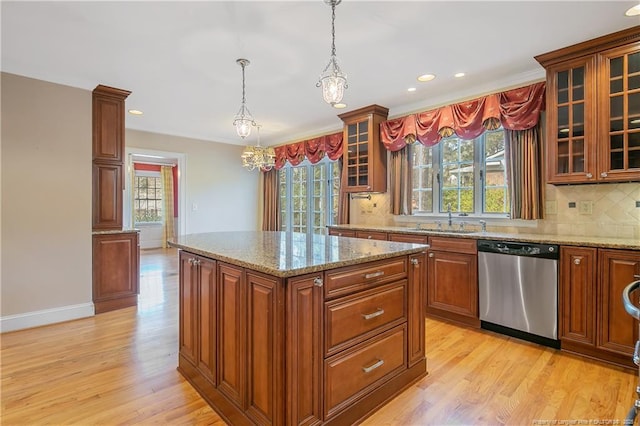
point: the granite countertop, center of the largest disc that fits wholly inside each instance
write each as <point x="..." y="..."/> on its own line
<point x="569" y="240"/>
<point x="114" y="231"/>
<point x="287" y="254"/>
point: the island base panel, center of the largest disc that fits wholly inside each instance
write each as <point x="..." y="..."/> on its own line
<point x="355" y="413"/>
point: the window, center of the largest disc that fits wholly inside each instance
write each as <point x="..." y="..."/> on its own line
<point x="470" y="176"/>
<point x="147" y="197"/>
<point x="309" y="195"/>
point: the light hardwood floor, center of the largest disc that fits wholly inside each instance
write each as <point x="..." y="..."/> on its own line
<point x="120" y="368"/>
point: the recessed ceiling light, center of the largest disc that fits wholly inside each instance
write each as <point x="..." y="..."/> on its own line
<point x="458" y="75"/>
<point x="634" y="11"/>
<point x="340" y="106"/>
<point x="411" y="89"/>
<point x="426" y="77"/>
<point x="135" y="112"/>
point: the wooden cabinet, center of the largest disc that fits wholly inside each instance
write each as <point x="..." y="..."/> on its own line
<point x="364" y="159"/>
<point x="452" y="280"/>
<point x="593" y="321"/>
<point x="321" y="348"/>
<point x="578" y="295"/>
<point x="593" y="110"/>
<point x="115" y="270"/>
<point x="198" y="319"/>
<point x="409" y="238"/>
<point x="108" y="156"/>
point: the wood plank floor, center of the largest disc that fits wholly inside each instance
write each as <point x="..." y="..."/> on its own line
<point x="120" y="368"/>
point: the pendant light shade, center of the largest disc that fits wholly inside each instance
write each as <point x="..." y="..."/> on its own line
<point x="332" y="80"/>
<point x="243" y="120"/>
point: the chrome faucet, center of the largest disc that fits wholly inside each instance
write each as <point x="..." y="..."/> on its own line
<point x="449" y="211"/>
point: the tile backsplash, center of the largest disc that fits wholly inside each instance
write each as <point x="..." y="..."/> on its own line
<point x="600" y="210"/>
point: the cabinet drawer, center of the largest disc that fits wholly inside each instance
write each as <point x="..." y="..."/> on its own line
<point x="458" y="245"/>
<point x="409" y="238"/>
<point x="356" y="371"/>
<point x="372" y="235"/>
<point x="342" y="232"/>
<point x="346" y="280"/>
<point x="365" y="314"/>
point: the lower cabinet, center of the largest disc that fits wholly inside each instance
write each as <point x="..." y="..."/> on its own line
<point x="318" y="348"/>
<point x="593" y="321"/>
<point x="116" y="269"/>
<point x="452" y="280"/>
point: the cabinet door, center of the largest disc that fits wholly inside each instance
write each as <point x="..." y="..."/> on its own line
<point x="409" y="238"/>
<point x="571" y="113"/>
<point x="107" y="196"/>
<point x="416" y="301"/>
<point x="619" y="114"/>
<point x="304" y="329"/>
<point x="372" y="235"/>
<point x="577" y="294"/>
<point x="342" y="232"/>
<point x="115" y="271"/>
<point x="617" y="330"/>
<point x="188" y="307"/>
<point x="452" y="286"/>
<point x="265" y="348"/>
<point x="108" y="123"/>
<point x="206" y="285"/>
<point x="231" y="333"/>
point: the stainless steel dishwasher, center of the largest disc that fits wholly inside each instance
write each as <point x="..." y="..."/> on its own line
<point x="518" y="290"/>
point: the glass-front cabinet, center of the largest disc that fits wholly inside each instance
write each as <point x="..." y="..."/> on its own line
<point x="364" y="159"/>
<point x="593" y="110"/>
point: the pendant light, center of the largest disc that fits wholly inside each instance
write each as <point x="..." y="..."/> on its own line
<point x="243" y="119"/>
<point x="332" y="80"/>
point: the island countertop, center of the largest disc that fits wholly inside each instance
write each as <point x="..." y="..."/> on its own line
<point x="287" y="254"/>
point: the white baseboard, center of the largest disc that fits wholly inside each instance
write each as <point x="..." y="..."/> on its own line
<point x="45" y="317"/>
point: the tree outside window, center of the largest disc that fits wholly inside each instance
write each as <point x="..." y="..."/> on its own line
<point x="147" y="199"/>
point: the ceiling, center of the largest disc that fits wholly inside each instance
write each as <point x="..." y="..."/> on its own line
<point x="179" y="58"/>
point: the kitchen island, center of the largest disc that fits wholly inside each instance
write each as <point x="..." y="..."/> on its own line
<point x="284" y="329"/>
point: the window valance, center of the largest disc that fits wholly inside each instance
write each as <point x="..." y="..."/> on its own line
<point x="312" y="149"/>
<point x="517" y="109"/>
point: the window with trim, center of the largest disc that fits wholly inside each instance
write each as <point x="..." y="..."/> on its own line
<point x="147" y="197"/>
<point x="470" y="176"/>
<point x="309" y="195"/>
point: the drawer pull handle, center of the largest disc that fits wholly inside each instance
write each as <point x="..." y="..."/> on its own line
<point x="374" y="274"/>
<point x="373" y="366"/>
<point x="317" y="281"/>
<point x="636" y="353"/>
<point x="377" y="313"/>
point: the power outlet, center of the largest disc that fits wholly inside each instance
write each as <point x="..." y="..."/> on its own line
<point x="585" y="207"/>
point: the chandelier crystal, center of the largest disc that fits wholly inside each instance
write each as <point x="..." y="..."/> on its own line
<point x="243" y="119"/>
<point x="332" y="80"/>
<point x="258" y="157"/>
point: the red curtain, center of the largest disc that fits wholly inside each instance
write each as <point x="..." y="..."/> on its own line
<point x="516" y="109"/>
<point x="156" y="168"/>
<point x="313" y="149"/>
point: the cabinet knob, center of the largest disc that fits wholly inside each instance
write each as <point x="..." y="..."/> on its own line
<point x="576" y="261"/>
<point x="190" y="260"/>
<point x="589" y="175"/>
<point x="317" y="281"/>
<point x="604" y="174"/>
<point x="431" y="254"/>
<point x="369" y="237"/>
<point x="414" y="262"/>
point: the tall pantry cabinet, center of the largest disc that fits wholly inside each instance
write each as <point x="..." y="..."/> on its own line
<point x="116" y="251"/>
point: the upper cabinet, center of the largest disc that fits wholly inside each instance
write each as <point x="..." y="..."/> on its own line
<point x="364" y="160"/>
<point x="593" y="110"/>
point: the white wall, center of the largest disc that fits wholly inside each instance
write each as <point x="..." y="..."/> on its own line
<point x="224" y="194"/>
<point x="46" y="203"/>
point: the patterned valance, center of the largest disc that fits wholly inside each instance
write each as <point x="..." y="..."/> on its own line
<point x="312" y="149"/>
<point x="516" y="109"/>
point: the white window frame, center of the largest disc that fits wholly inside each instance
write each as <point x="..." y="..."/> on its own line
<point x="479" y="173"/>
<point x="143" y="173"/>
<point x="329" y="214"/>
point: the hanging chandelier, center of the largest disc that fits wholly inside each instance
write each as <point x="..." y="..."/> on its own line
<point x="332" y="80"/>
<point x="258" y="157"/>
<point x="243" y="119"/>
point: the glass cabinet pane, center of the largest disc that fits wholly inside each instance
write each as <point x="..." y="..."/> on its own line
<point x="578" y="156"/>
<point x="563" y="87"/>
<point x="577" y="84"/>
